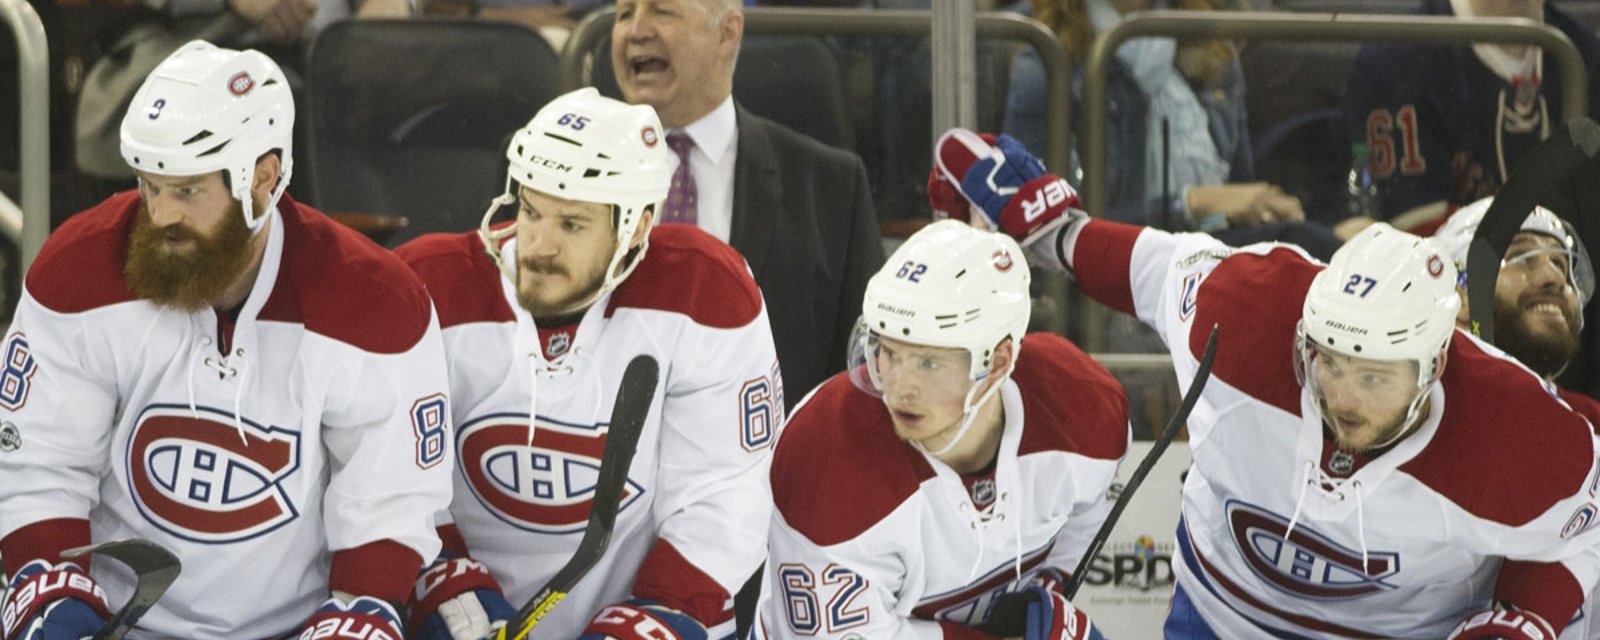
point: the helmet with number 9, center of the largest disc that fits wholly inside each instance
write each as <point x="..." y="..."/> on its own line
<point x="1386" y="295"/>
<point x="586" y="147"/>
<point x="206" y="109"/>
<point x="949" y="286"/>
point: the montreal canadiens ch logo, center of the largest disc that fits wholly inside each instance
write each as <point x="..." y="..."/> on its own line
<point x="195" y="478"/>
<point x="1307" y="564"/>
<point x="544" y="488"/>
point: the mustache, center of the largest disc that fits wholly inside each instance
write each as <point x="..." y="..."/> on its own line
<point x="546" y="267"/>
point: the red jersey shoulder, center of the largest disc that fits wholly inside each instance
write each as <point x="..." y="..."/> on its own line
<point x="341" y="285"/>
<point x="1506" y="449"/>
<point x="461" y="277"/>
<point x="839" y="468"/>
<point x="1586" y="406"/>
<point x="688" y="271"/>
<point x="80" y="266"/>
<point x="1071" y="402"/>
<point x="1255" y="302"/>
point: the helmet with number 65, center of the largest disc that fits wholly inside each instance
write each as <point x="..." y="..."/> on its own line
<point x="586" y="147"/>
<point x="206" y="109"/>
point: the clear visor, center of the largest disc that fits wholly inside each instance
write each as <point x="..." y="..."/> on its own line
<point x="1373" y="384"/>
<point x="1571" y="260"/>
<point x="909" y="372"/>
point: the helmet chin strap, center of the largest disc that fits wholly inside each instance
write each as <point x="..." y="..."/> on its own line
<point x="970" y="410"/>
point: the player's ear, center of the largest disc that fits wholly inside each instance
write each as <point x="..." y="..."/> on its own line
<point x="265" y="177"/>
<point x="1004" y="354"/>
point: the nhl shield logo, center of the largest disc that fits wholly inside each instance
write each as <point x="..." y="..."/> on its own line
<point x="192" y="475"/>
<point x="558" y="345"/>
<point x="547" y="487"/>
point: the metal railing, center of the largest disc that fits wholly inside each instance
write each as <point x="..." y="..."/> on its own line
<point x="883" y="22"/>
<point x="28" y="224"/>
<point x="1336" y="27"/>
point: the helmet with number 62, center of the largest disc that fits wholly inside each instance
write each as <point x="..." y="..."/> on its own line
<point x="949" y="286"/>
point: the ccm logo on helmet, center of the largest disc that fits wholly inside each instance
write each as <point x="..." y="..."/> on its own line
<point x="195" y="478"/>
<point x="545" y="488"/>
<point x="550" y="164"/>
<point x="1306" y="564"/>
<point x="241" y="83"/>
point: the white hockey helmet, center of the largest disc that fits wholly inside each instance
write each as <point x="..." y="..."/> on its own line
<point x="1456" y="236"/>
<point x="1385" y="295"/>
<point x="586" y="147"/>
<point x="207" y="109"/>
<point x="950" y="286"/>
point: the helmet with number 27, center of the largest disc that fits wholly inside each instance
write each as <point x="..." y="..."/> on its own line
<point x="1382" y="312"/>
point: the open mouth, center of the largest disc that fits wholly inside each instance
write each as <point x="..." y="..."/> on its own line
<point x="645" y="67"/>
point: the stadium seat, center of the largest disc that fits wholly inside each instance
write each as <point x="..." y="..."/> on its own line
<point x="411" y="117"/>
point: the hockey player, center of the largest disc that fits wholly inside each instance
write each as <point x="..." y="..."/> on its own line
<point x="209" y="365"/>
<point x="1361" y="469"/>
<point x="953" y="462"/>
<point x="1545" y="281"/>
<point x="540" y="317"/>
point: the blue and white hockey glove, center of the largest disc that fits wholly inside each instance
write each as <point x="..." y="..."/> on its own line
<point x="1052" y="617"/>
<point x="1015" y="192"/>
<point x="53" y="602"/>
<point x="640" y="619"/>
<point x="457" y="599"/>
<point x="1499" y="624"/>
<point x="362" y="618"/>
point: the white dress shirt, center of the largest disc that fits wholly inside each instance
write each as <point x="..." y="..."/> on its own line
<point x="711" y="163"/>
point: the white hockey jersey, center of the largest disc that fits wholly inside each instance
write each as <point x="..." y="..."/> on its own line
<point x="693" y="521"/>
<point x="873" y="538"/>
<point x="322" y="429"/>
<point x="1407" y="545"/>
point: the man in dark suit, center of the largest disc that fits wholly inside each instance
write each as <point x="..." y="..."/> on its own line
<point x="800" y="211"/>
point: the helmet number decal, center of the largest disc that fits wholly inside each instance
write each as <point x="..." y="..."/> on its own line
<point x="573" y="120"/>
<point x="156" y="107"/>
<point x="911" y="271"/>
<point x="1358" y="281"/>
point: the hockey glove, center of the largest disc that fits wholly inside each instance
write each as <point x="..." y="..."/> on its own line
<point x="457" y="599"/>
<point x="1010" y="186"/>
<point x="58" y="602"/>
<point x="945" y="198"/>
<point x="362" y="618"/>
<point x="1052" y="617"/>
<point x="639" y="619"/>
<point x="1503" y="625"/>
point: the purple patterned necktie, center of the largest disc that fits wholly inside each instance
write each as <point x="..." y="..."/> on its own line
<point x="684" y="198"/>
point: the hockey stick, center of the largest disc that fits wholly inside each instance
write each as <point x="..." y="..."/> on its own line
<point x="634" y="396"/>
<point x="154" y="568"/>
<point x="1009" y="617"/>
<point x="1539" y="173"/>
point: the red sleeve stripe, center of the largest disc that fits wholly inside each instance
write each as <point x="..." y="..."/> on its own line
<point x="668" y="578"/>
<point x="384" y="569"/>
<point x="45" y="540"/>
<point x="1101" y="261"/>
<point x="450" y="535"/>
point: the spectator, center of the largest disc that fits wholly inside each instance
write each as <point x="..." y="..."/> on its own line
<point x="1179" y="148"/>
<point x="1445" y="125"/>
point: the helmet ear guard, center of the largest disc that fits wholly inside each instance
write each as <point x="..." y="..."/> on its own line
<point x="206" y="109"/>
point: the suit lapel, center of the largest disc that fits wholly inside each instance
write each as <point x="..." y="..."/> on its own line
<point x="757" y="192"/>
